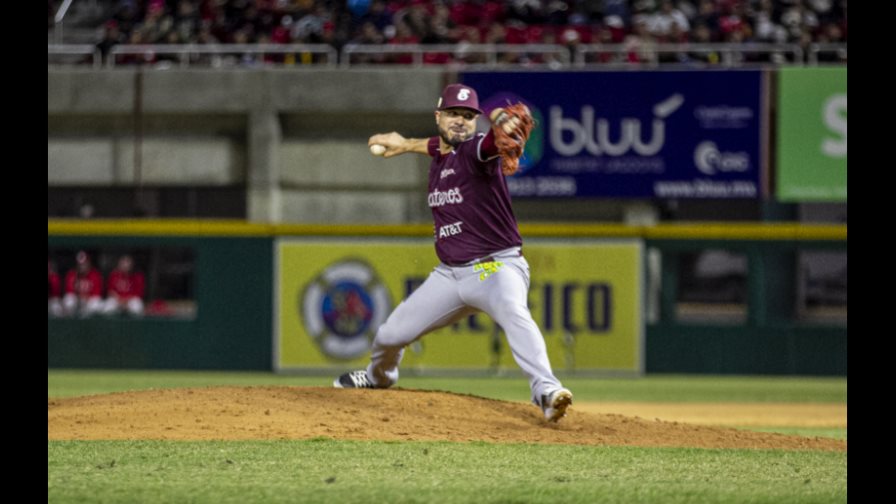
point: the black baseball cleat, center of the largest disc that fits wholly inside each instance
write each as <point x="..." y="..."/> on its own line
<point x="554" y="404"/>
<point x="354" y="379"/>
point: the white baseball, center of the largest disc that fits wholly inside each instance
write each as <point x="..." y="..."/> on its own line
<point x="510" y="124"/>
<point x="377" y="149"/>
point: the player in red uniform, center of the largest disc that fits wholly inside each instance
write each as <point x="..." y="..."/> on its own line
<point x="83" y="288"/>
<point x="54" y="290"/>
<point x="124" y="288"/>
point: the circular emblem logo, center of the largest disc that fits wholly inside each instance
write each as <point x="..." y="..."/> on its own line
<point x="343" y="307"/>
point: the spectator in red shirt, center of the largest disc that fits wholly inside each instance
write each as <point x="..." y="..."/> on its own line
<point x="83" y="288"/>
<point x="54" y="290"/>
<point x="124" y="289"/>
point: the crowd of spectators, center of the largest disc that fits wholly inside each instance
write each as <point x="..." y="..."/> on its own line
<point x="637" y="23"/>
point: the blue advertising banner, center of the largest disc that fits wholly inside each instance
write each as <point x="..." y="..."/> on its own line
<point x="656" y="134"/>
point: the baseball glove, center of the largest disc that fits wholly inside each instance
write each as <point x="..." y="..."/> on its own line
<point x="512" y="126"/>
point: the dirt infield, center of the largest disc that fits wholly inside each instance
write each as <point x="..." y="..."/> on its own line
<point x="733" y="414"/>
<point x="231" y="413"/>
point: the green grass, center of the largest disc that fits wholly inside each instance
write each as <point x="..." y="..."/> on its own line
<point x="64" y="383"/>
<point x="324" y="470"/>
<point x="343" y="471"/>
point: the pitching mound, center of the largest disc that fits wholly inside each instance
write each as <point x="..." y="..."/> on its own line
<point x="308" y="412"/>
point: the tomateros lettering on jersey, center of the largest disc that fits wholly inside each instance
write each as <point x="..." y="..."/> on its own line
<point x="343" y="307"/>
<point x="439" y="198"/>
<point x="474" y="194"/>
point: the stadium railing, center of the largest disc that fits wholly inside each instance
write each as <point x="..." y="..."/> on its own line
<point x="73" y="54"/>
<point x="216" y="55"/>
<point x="466" y="55"/>
<point x="726" y="55"/>
<point x="492" y="55"/>
<point x="838" y="51"/>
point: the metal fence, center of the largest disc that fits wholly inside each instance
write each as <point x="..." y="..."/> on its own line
<point x="827" y="53"/>
<point x="460" y="55"/>
<point x="490" y="55"/>
<point x="74" y="54"/>
<point x="223" y="55"/>
<point x="725" y="55"/>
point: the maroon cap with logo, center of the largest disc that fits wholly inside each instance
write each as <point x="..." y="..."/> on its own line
<point x="458" y="95"/>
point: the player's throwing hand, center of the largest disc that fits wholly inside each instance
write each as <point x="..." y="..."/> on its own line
<point x="396" y="144"/>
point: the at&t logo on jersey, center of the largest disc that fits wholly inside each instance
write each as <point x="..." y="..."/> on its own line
<point x="450" y="230"/>
<point x="439" y="198"/>
<point x="343" y="307"/>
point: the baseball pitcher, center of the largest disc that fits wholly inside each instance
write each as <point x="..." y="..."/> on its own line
<point x="477" y="241"/>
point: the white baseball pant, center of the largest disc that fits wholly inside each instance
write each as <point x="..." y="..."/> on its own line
<point x="449" y="294"/>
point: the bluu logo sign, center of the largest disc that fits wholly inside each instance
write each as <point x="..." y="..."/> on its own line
<point x="593" y="135"/>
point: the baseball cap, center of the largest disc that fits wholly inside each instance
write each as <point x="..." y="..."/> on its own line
<point x="458" y="95"/>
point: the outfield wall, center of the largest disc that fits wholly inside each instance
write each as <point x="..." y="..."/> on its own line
<point x="230" y="330"/>
<point x="236" y="324"/>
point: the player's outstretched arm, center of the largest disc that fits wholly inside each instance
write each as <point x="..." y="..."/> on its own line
<point x="396" y="144"/>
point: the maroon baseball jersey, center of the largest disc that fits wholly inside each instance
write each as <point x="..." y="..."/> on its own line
<point x="470" y="202"/>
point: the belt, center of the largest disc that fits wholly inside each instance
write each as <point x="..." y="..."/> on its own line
<point x="486" y="259"/>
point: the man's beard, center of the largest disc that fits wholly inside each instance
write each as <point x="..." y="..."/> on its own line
<point x="454" y="139"/>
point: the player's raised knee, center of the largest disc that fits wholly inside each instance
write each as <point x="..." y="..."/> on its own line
<point x="389" y="335"/>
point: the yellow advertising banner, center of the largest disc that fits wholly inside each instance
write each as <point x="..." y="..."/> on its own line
<point x="332" y="295"/>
